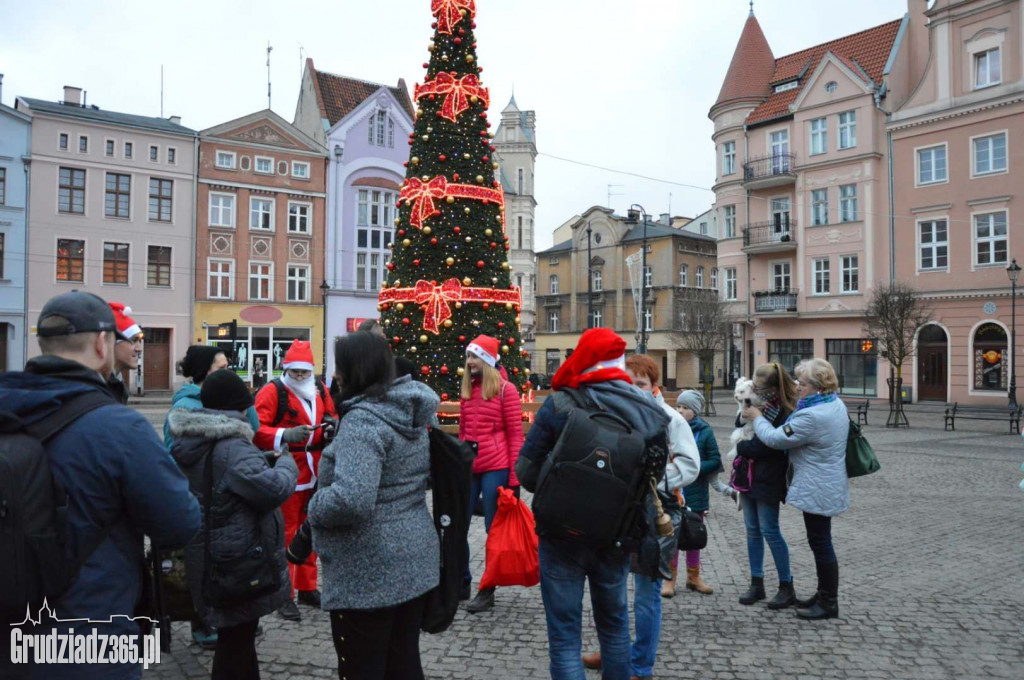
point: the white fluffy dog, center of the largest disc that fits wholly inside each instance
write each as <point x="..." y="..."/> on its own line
<point x="745" y="396"/>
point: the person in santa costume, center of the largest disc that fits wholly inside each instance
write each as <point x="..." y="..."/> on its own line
<point x="298" y="424"/>
<point x="127" y="347"/>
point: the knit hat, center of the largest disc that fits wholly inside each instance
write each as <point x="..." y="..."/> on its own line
<point x="600" y="356"/>
<point x="197" y="362"/>
<point x="126" y="326"/>
<point x="485" y="347"/>
<point x="299" y="355"/>
<point x="691" y="399"/>
<point x="224" y="391"/>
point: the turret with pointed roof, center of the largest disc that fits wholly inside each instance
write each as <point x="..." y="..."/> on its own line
<point x="751" y="69"/>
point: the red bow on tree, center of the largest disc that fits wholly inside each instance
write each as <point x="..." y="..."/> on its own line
<point x="437" y="299"/>
<point x="449" y="13"/>
<point x="457" y="93"/>
<point x="421" y="195"/>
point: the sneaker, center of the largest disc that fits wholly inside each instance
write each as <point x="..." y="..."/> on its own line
<point x="290" y="612"/>
<point x="310" y="598"/>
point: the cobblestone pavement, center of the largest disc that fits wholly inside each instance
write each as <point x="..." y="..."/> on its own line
<point x="932" y="586"/>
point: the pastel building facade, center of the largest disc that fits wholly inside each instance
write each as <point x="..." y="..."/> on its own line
<point x="15" y="155"/>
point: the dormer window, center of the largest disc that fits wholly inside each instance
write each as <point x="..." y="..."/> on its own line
<point x="791" y="85"/>
<point x="382" y="130"/>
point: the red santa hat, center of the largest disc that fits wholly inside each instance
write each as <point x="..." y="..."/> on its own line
<point x="485" y="347"/>
<point x="126" y="326"/>
<point x="600" y="356"/>
<point x="299" y="355"/>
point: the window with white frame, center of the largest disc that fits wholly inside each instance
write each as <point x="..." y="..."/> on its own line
<point x="158" y="267"/>
<point x="553" y="284"/>
<point x="847" y="130"/>
<point x="781" y="277"/>
<point x="161" y="199"/>
<point x="819" y="136"/>
<point x="703" y="228"/>
<point x="128" y="147"/>
<point x="730" y="284"/>
<point x="990" y="241"/>
<point x="714" y="278"/>
<point x="648" y="319"/>
<point x="729" y="219"/>
<point x="848" y="203"/>
<point x="63" y="143"/>
<point x="597" y="280"/>
<point x="154" y="153"/>
<point x="299" y="217"/>
<point x="933" y="251"/>
<point x="264" y="165"/>
<point x="596" y="318"/>
<point x="261" y="280"/>
<point x="83" y="144"/>
<point x="261" y="213"/>
<point x="553" y="321"/>
<point x="220" y="280"/>
<point x="648" y="276"/>
<point x="819" y="207"/>
<point x="373" y="233"/>
<point x="222" y="210"/>
<point x="172" y="155"/>
<point x="108" y="148"/>
<point x="298" y="283"/>
<point x="850" y="270"/>
<point x="990" y="154"/>
<point x="700" y="277"/>
<point x="684" y="272"/>
<point x="300" y="169"/>
<point x="729" y="158"/>
<point x="822" y="276"/>
<point x="225" y="160"/>
<point x="931" y="165"/>
<point x="988" y="68"/>
<point x="382" y="130"/>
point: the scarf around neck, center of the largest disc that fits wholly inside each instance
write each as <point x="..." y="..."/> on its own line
<point x="815" y="400"/>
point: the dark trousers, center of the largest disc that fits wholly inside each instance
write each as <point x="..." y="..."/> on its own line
<point x="819" y="537"/>
<point x="235" y="657"/>
<point x="379" y="644"/>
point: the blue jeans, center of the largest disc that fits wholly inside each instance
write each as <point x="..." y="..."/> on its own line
<point x="564" y="567"/>
<point x="485" y="483"/>
<point x="646" y="623"/>
<point x="762" y="521"/>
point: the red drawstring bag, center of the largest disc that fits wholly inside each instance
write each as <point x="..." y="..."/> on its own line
<point x="511" y="545"/>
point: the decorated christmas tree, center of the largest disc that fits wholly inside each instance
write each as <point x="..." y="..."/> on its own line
<point x="449" y="279"/>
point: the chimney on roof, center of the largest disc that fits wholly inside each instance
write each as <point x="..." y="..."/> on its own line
<point x="665" y="219"/>
<point x="72" y="95"/>
<point x="175" y="120"/>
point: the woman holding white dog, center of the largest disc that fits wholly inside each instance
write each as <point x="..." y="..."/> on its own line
<point x="760" y="475"/>
<point x="815" y="437"/>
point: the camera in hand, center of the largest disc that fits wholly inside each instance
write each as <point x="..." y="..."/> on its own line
<point x="301" y="546"/>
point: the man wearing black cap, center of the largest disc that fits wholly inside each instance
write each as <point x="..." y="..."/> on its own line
<point x="120" y="481"/>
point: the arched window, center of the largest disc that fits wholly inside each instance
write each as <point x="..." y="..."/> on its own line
<point x="990" y="358"/>
<point x="382" y="130"/>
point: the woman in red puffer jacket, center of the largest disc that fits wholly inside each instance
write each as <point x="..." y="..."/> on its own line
<point x="491" y="416"/>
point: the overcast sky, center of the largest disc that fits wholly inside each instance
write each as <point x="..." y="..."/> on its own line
<point x="623" y="84"/>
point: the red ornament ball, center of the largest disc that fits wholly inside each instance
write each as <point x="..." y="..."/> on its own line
<point x="426" y="65"/>
<point x="444" y="396"/>
<point x="487" y="305"/>
<point x="406" y="321"/>
<point x="443" y="158"/>
<point x="486" y="158"/>
<point x="480" y="264"/>
<point x="515" y="371"/>
<point x="501" y="324"/>
<point x="493" y="245"/>
<point x="401" y="232"/>
<point x="462" y="31"/>
<point x="462" y="338"/>
<point x="415" y="263"/>
<point x="425" y="370"/>
<point x="455" y="176"/>
<point x="444" y="370"/>
<point x="391" y="266"/>
<point x="458" y="41"/>
<point x="397" y="339"/>
<point x="457" y="230"/>
<point x="433" y="241"/>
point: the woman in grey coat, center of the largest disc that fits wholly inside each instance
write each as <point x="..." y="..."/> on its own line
<point x="245" y="514"/>
<point x="379" y="551"/>
<point x="815" y="438"/>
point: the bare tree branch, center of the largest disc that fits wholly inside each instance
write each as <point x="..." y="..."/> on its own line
<point x="893" y="316"/>
<point x="701" y="326"/>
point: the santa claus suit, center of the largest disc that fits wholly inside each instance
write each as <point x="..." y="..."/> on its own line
<point x="307" y="405"/>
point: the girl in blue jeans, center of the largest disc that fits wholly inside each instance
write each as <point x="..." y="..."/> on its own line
<point x="761" y="477"/>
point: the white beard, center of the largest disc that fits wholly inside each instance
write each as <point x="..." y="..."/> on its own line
<point x="305" y="389"/>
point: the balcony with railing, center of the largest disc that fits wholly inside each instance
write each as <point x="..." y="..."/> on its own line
<point x="778" y="169"/>
<point x="775" y="301"/>
<point x="776" y="236"/>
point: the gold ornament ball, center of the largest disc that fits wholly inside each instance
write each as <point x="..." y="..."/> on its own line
<point x="399" y="306"/>
<point x="387" y="322"/>
<point x="413" y="349"/>
<point x="423" y="339"/>
<point x="448" y="323"/>
<point x="415" y="160"/>
<point x="458" y="305"/>
<point x="406" y="243"/>
<point x="398" y="221"/>
<point x="466" y="156"/>
<point x="380" y="307"/>
<point x="495" y="165"/>
<point x="450" y="199"/>
<point x="479" y="179"/>
<point x="426" y="230"/>
<point x="494" y="280"/>
<point x="526" y="371"/>
<point x="460" y="371"/>
<point x="431" y="47"/>
<point x="425" y="178"/>
<point x="444" y="57"/>
<point x="430" y="129"/>
<point x="462" y="13"/>
<point x="397" y="283"/>
<point x="425" y="138"/>
<point x="488" y="232"/>
<point x="518" y="319"/>
<point x="469" y="58"/>
<point x="498" y="217"/>
<point x="466" y="210"/>
<point x="474" y="99"/>
<point x="466" y="281"/>
<point x="504" y="349"/>
<point x="504" y="265"/>
<point x="449" y="261"/>
<point x="475" y="322"/>
<point x="469" y="239"/>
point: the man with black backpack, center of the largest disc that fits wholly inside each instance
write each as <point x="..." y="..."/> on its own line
<point x="595" y="448"/>
<point x="87" y="478"/>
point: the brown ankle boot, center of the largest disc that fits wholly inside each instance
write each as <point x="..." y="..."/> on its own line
<point x="668" y="588"/>
<point x="592" y="661"/>
<point x="694" y="582"/>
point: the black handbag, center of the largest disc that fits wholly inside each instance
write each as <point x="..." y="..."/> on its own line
<point x="240" y="579"/>
<point x="693" y="535"/>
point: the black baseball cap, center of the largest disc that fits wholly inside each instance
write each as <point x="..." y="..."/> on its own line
<point x="85" y="313"/>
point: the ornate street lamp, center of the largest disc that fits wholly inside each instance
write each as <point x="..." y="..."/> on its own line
<point x="635" y="211"/>
<point x="324" y="288"/>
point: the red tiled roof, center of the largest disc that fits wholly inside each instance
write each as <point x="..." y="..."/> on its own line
<point x="752" y="65"/>
<point x="339" y="95"/>
<point x="868" y="49"/>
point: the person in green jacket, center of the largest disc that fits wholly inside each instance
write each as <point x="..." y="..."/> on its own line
<point x="690" y="403"/>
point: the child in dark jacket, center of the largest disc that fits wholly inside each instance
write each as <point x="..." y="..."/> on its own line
<point x="690" y="403"/>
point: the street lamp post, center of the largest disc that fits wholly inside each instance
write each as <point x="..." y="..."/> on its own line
<point x="324" y="287"/>
<point x="1013" y="271"/>
<point x="590" y="278"/>
<point x="642" y="348"/>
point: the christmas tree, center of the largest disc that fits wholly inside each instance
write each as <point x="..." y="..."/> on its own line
<point x="448" y="278"/>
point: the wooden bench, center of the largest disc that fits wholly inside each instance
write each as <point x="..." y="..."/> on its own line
<point x="452" y="410"/>
<point x="1009" y="413"/>
<point x="861" y="407"/>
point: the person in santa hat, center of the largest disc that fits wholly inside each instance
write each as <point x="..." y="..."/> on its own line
<point x="596" y="368"/>
<point x="491" y="416"/>
<point x="127" y="346"/>
<point x="298" y="423"/>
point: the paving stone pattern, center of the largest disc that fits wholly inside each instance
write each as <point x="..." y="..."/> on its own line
<point x="932" y="586"/>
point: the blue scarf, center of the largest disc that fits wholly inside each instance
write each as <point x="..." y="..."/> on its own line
<point x="815" y="400"/>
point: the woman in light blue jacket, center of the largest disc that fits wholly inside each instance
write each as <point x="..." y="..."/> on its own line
<point x="815" y="438"/>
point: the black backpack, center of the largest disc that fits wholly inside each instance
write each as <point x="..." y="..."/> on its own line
<point x="451" y="472"/>
<point x="593" y="486"/>
<point x="33" y="510"/>
<point x="282" y="399"/>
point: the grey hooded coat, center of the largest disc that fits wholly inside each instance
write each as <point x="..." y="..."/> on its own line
<point x="371" y="527"/>
<point x="247" y="497"/>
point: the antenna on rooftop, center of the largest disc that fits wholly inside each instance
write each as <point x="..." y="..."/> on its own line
<point x="269" y="50"/>
<point x="613" y="193"/>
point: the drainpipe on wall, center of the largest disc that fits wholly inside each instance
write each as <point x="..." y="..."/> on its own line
<point x="26" y="163"/>
<point x="746" y="157"/>
<point x="892" y="218"/>
<point x="195" y="234"/>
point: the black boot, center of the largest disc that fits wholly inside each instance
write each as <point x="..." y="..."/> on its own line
<point x="808" y="602"/>
<point x="755" y="592"/>
<point x="786" y="597"/>
<point x="827" y="604"/>
<point x="483" y="601"/>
